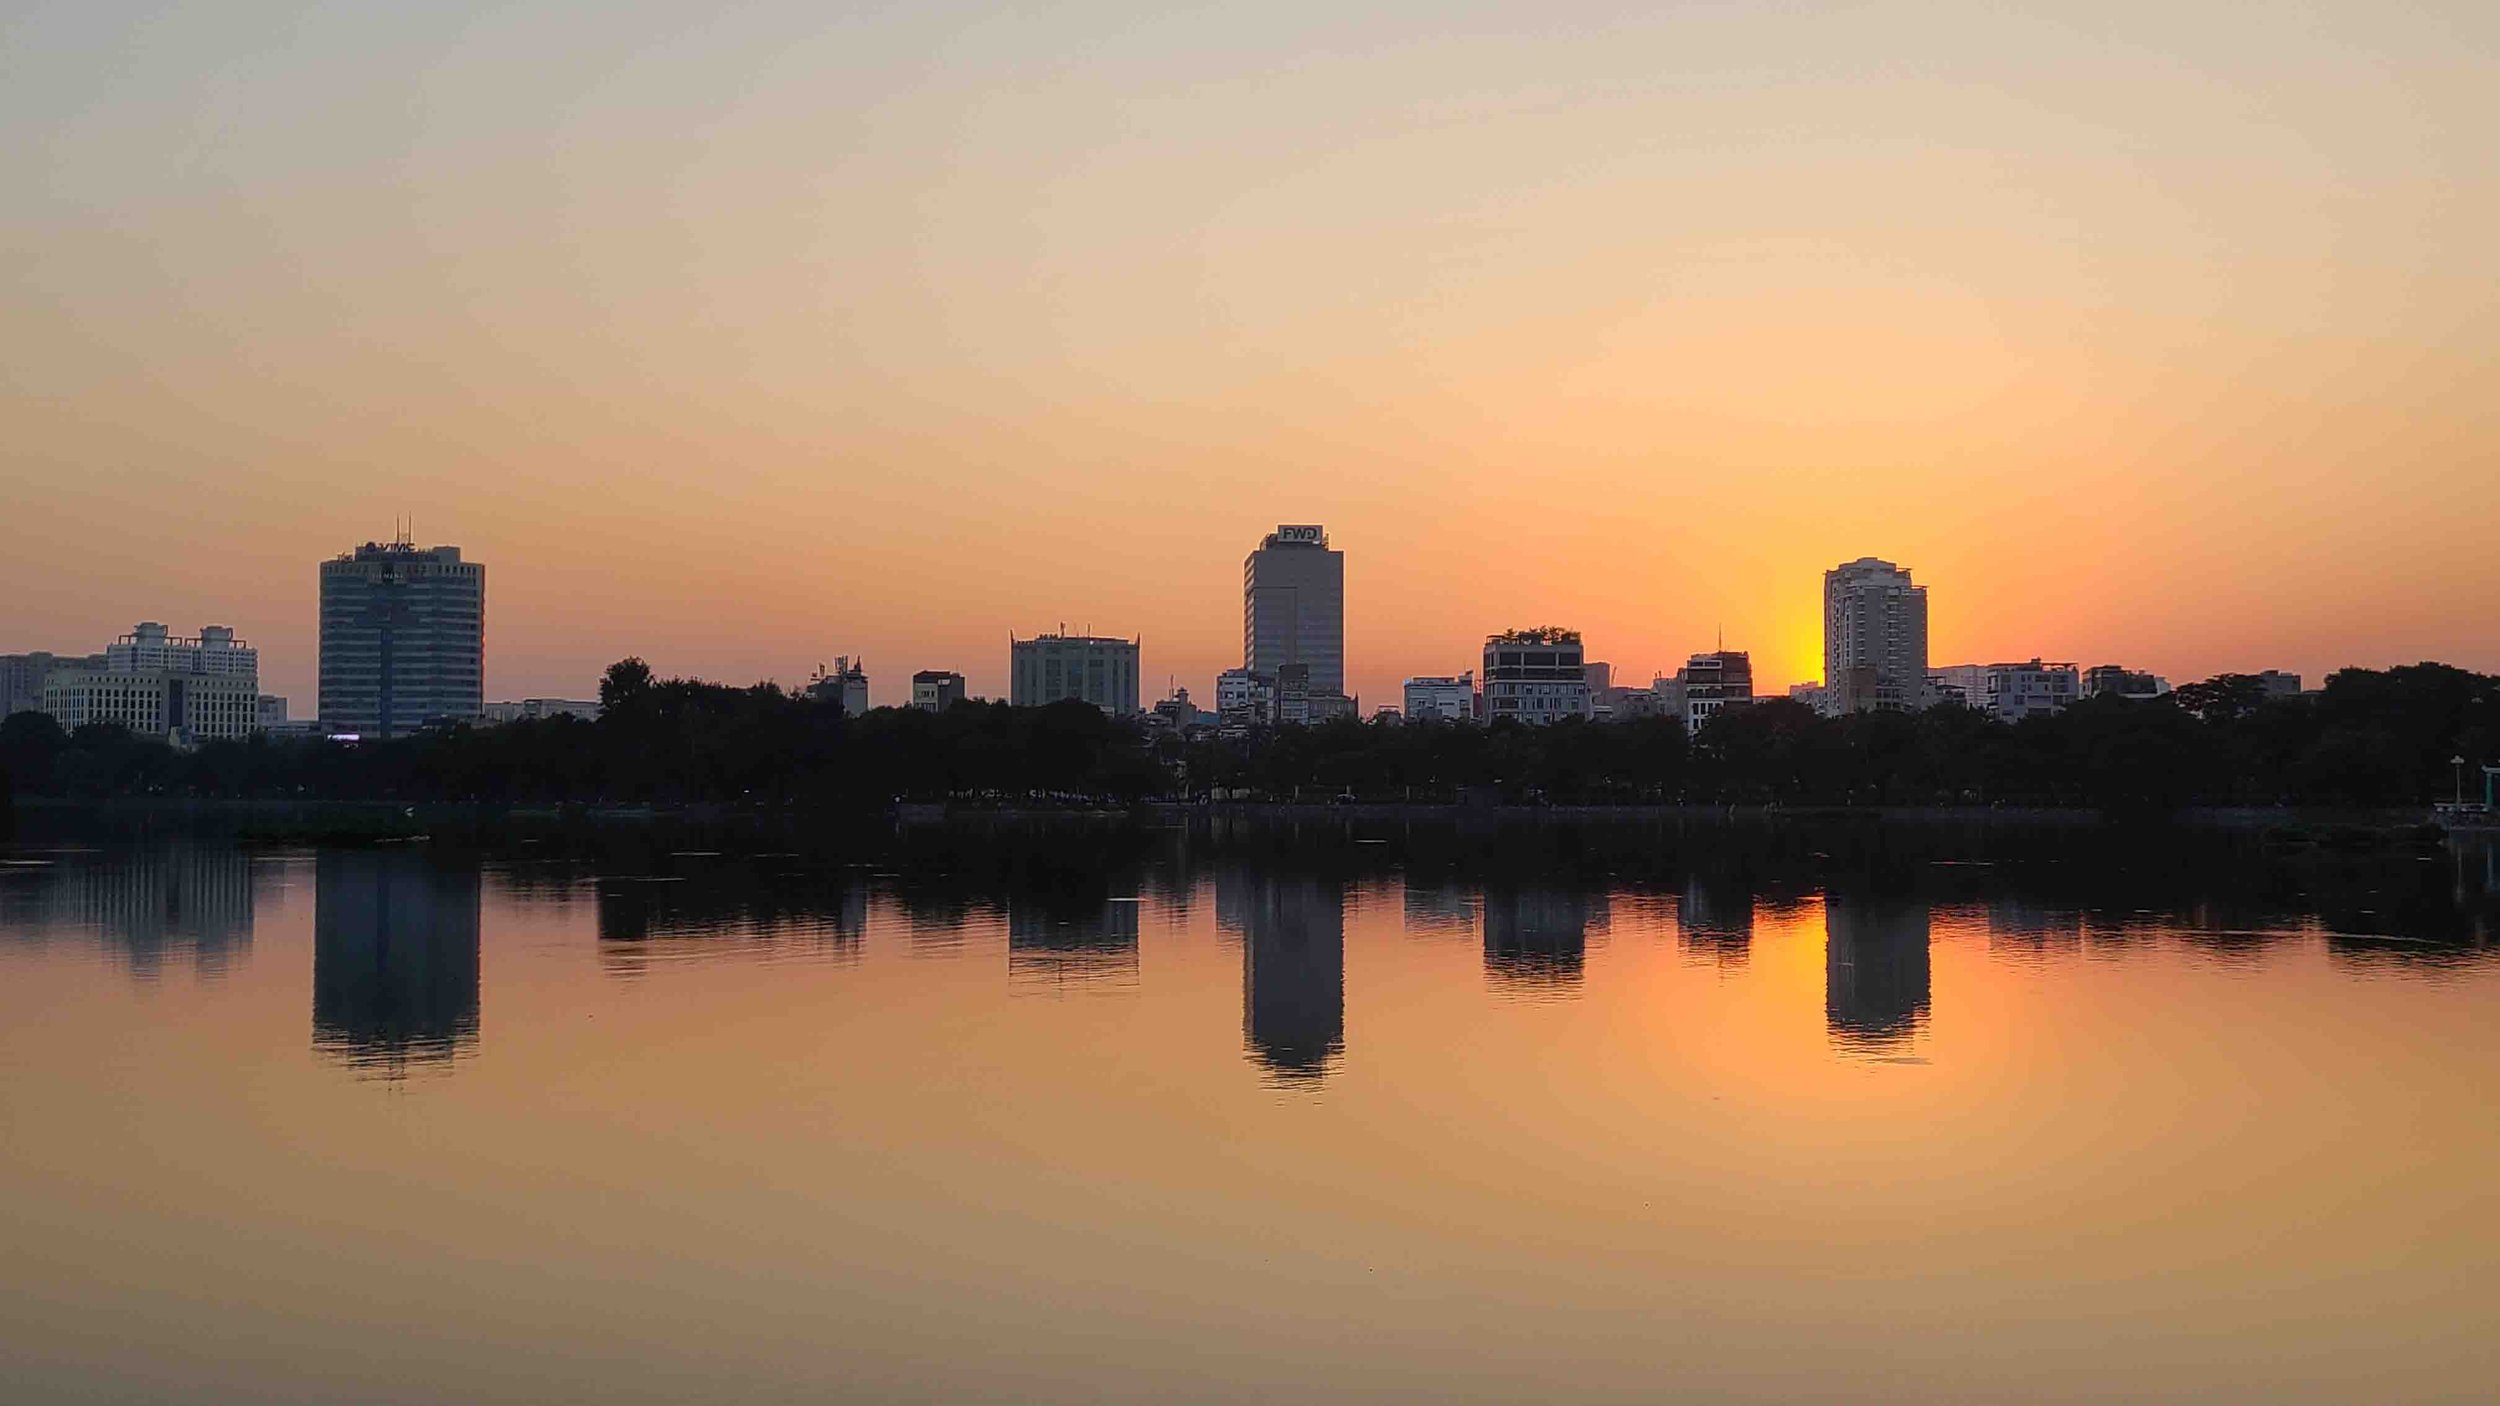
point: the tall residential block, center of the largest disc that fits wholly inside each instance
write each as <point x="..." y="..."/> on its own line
<point x="1293" y="607"/>
<point x="1874" y="638"/>
<point x="403" y="639"/>
<point x="1089" y="668"/>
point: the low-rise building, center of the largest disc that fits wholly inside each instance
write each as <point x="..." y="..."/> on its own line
<point x="845" y="683"/>
<point x="2108" y="680"/>
<point x="1535" y="676"/>
<point x="1449" y="697"/>
<point x="535" y="709"/>
<point x="1179" y="713"/>
<point x="936" y="690"/>
<point x="1963" y="684"/>
<point x="1332" y="707"/>
<point x="2011" y="692"/>
<point x="170" y="705"/>
<point x="1245" y="699"/>
<point x="2278" y="683"/>
<point x="2031" y="689"/>
<point x="1624" y="703"/>
<point x="1709" y="682"/>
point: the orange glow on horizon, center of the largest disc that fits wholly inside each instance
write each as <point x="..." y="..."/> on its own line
<point x="890" y="336"/>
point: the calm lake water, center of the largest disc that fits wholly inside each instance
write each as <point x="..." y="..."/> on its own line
<point x="1632" y="1115"/>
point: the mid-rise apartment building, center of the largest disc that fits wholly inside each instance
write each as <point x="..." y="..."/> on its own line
<point x="1535" y="676"/>
<point x="1093" y="669"/>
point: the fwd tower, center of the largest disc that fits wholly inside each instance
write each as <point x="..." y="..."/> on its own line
<point x="1293" y="608"/>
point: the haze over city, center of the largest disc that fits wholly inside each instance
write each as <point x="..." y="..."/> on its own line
<point x="2151" y="334"/>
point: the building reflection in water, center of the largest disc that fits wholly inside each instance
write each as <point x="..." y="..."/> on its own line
<point x="727" y="911"/>
<point x="2025" y="932"/>
<point x="1440" y="908"/>
<point x="147" y="906"/>
<point x="1875" y="975"/>
<point x="395" y="958"/>
<point x="1714" y="918"/>
<point x="1538" y="937"/>
<point x="1292" y="968"/>
<point x="1051" y="949"/>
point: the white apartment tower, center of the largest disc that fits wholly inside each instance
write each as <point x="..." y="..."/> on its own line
<point x="1874" y="638"/>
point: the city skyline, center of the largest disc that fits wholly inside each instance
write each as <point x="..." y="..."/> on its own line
<point x="2164" y="341"/>
<point x="543" y="676"/>
<point x="1461" y="702"/>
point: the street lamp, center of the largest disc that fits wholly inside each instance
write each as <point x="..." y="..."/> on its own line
<point x="2459" y="763"/>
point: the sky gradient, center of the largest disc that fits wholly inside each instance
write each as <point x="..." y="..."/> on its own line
<point x="2155" y="334"/>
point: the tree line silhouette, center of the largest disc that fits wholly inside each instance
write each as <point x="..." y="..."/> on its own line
<point x="2369" y="737"/>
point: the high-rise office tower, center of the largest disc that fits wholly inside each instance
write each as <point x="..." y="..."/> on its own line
<point x="1293" y="607"/>
<point x="403" y="639"/>
<point x="1874" y="638"/>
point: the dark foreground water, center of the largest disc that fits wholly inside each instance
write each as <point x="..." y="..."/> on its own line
<point x="1632" y="1116"/>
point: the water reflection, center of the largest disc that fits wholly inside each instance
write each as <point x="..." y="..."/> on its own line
<point x="1439" y="907"/>
<point x="2027" y="932"/>
<point x="1292" y="967"/>
<point x="1048" y="948"/>
<point x="705" y="907"/>
<point x="1714" y="917"/>
<point x="396" y="931"/>
<point x="1538" y="937"/>
<point x="395" y="958"/>
<point x="1875" y="971"/>
<point x="148" y="906"/>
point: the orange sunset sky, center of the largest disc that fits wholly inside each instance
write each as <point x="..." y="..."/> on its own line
<point x="2158" y="334"/>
